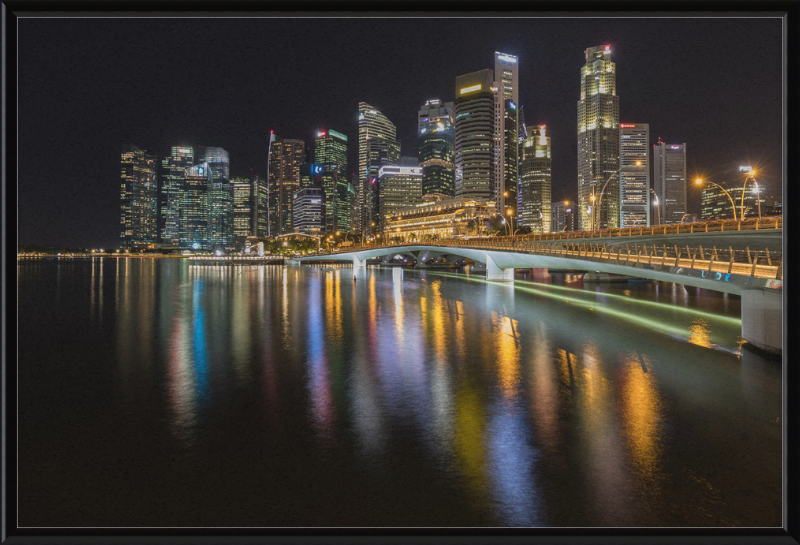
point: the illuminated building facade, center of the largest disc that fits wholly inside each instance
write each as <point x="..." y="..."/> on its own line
<point x="669" y="177"/>
<point x="563" y="217"/>
<point x="506" y="72"/>
<point x="309" y="210"/>
<point x="286" y="155"/>
<point x="220" y="198"/>
<point x="260" y="206"/>
<point x="193" y="225"/>
<point x="330" y="147"/>
<point x="437" y="147"/>
<point x="634" y="174"/>
<point x="377" y="146"/>
<point x="715" y="204"/>
<point x="310" y="175"/>
<point x="139" y="197"/>
<point x="598" y="139"/>
<point x="173" y="174"/>
<point x="475" y="126"/>
<point x="400" y="187"/>
<point x="536" y="182"/>
<point x="330" y="153"/>
<point x="242" y="209"/>
<point x="444" y="218"/>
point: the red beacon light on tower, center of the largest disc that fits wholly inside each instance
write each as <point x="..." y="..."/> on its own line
<point x="608" y="48"/>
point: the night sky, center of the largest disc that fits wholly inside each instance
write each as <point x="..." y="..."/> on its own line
<point x="88" y="85"/>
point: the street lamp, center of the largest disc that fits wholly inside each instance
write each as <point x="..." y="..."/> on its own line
<point x="593" y="209"/>
<point x="600" y="201"/>
<point x="655" y="203"/>
<point x="510" y="215"/>
<point x="758" y="199"/>
<point x="746" y="177"/>
<point x="733" y="204"/>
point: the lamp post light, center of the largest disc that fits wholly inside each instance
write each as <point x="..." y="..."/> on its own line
<point x="758" y="198"/>
<point x="655" y="203"/>
<point x="744" y="187"/>
<point x="593" y="209"/>
<point x="733" y="204"/>
<point x="600" y="201"/>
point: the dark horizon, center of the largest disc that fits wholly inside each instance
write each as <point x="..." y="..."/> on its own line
<point x="88" y="85"/>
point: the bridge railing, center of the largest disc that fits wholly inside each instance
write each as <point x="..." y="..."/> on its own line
<point x="756" y="263"/>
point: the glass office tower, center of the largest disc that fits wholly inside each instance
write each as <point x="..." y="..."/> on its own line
<point x="669" y="177"/>
<point x="242" y="209"/>
<point x="634" y="174"/>
<point x="139" y="197"/>
<point x="220" y="198"/>
<point x="173" y="174"/>
<point x="377" y="146"/>
<point x="193" y="223"/>
<point x="536" y="182"/>
<point x="437" y="147"/>
<point x="285" y="158"/>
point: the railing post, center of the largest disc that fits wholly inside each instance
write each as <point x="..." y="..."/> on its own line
<point x="769" y="259"/>
<point x="749" y="259"/>
<point x="755" y="262"/>
<point x="730" y="265"/>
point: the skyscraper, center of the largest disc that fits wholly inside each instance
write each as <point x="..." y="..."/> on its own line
<point x="173" y="175"/>
<point x="377" y="146"/>
<point x="598" y="140"/>
<point x="193" y="224"/>
<point x="634" y="175"/>
<point x="330" y="153"/>
<point x="563" y="220"/>
<point x="475" y="128"/>
<point x="242" y="209"/>
<point x="286" y="156"/>
<point x="260" y="206"/>
<point x="437" y="147"/>
<point x="536" y="182"/>
<point x="220" y="198"/>
<point x="309" y="210"/>
<point x="506" y="70"/>
<point x="669" y="177"/>
<point x="331" y="147"/>
<point x="400" y="187"/>
<point x="139" y="197"/>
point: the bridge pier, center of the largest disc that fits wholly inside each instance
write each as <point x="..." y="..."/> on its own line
<point x="493" y="272"/>
<point x="762" y="319"/>
<point x="359" y="263"/>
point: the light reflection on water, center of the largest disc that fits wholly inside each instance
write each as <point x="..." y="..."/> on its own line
<point x="425" y="398"/>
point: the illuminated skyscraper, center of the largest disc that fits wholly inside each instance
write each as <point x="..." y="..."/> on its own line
<point x="330" y="153"/>
<point x="377" y="146"/>
<point x="400" y="187"/>
<point x="260" y="206"/>
<point x="598" y="139"/>
<point x="173" y="174"/>
<point x="563" y="219"/>
<point x="634" y="175"/>
<point x="506" y="73"/>
<point x="437" y="147"/>
<point x="220" y="198"/>
<point x="331" y="147"/>
<point x="309" y="210"/>
<point x="193" y="224"/>
<point x="286" y="156"/>
<point x="242" y="209"/>
<point x="139" y="197"/>
<point x="536" y="182"/>
<point x="669" y="177"/>
<point x="475" y="128"/>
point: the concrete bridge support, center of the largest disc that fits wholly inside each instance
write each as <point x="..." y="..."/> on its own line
<point x="493" y="272"/>
<point x="762" y="319"/>
<point x="359" y="263"/>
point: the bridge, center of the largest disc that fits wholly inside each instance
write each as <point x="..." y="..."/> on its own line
<point x="720" y="259"/>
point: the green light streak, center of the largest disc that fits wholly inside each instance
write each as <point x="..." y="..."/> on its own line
<point x="663" y="306"/>
<point x="635" y="319"/>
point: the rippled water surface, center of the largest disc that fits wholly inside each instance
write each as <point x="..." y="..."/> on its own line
<point x="157" y="393"/>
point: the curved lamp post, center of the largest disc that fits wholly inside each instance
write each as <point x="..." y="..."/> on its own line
<point x="749" y="175"/>
<point x="733" y="204"/>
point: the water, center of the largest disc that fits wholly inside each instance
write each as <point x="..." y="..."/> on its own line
<point x="156" y="393"/>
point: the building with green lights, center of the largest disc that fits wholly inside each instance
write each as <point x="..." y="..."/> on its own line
<point x="330" y="147"/>
<point x="598" y="140"/>
<point x="437" y="147"/>
<point x="475" y="126"/>
<point x="193" y="224"/>
<point x="220" y="198"/>
<point x="139" y="197"/>
<point x="535" y="182"/>
<point x="173" y="173"/>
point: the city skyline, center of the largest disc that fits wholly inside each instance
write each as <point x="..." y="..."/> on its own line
<point x="543" y="95"/>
